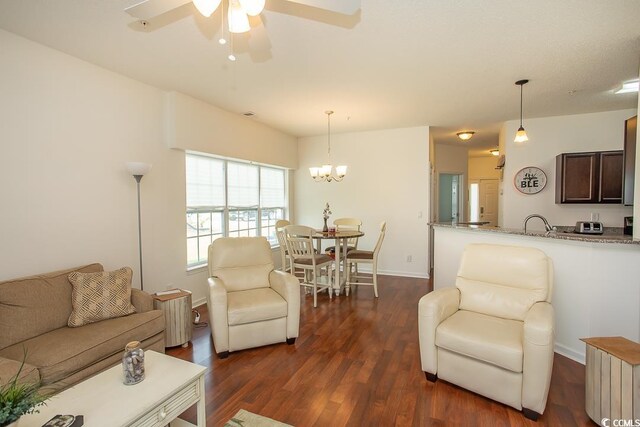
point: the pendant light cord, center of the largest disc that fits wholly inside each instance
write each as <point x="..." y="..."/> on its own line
<point x="329" y="137"/>
<point x="329" y="113"/>
<point x="521" y="104"/>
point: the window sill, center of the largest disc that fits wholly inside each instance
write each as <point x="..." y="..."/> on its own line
<point x="198" y="268"/>
<point x="195" y="269"/>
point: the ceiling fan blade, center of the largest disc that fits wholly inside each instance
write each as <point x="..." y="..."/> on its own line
<point x="148" y="9"/>
<point x="346" y="7"/>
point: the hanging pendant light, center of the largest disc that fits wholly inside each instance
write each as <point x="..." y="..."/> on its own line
<point x="324" y="172"/>
<point x="238" y="19"/>
<point x="206" y="7"/>
<point x="252" y="7"/>
<point x="521" y="135"/>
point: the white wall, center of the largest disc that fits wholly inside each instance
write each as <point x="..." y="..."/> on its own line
<point x="198" y="126"/>
<point x="387" y="180"/>
<point x="483" y="168"/>
<point x="636" y="187"/>
<point x="549" y="137"/>
<point x="68" y="127"/>
<point x="454" y="160"/>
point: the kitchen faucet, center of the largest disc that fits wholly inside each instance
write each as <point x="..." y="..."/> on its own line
<point x="547" y="226"/>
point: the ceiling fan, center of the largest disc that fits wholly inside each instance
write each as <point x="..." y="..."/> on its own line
<point x="239" y="10"/>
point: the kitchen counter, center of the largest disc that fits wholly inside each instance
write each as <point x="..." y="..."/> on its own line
<point x="611" y="234"/>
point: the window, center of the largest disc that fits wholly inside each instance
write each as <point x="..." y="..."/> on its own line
<point x="228" y="198"/>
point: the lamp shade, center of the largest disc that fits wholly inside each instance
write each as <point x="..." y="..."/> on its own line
<point x="252" y="7"/>
<point x="138" y="168"/>
<point x="521" y="135"/>
<point x="314" y="172"/>
<point x="238" y="20"/>
<point x="206" y="7"/>
<point x="341" y="170"/>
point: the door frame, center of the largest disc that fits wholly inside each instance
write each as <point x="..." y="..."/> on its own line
<point x="462" y="195"/>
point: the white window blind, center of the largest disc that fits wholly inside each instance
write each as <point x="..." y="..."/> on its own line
<point x="272" y="189"/>
<point x="229" y="198"/>
<point x="242" y="185"/>
<point x="205" y="182"/>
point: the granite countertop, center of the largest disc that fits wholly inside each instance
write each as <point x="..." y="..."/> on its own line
<point x="610" y="235"/>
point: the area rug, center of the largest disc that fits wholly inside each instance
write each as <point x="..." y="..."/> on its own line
<point x="247" y="419"/>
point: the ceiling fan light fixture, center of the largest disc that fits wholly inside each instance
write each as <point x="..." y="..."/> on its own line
<point x="466" y="135"/>
<point x="206" y="7"/>
<point x="238" y="19"/>
<point x="252" y="7"/>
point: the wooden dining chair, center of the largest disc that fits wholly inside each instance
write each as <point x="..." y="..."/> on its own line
<point x="303" y="256"/>
<point x="282" y="241"/>
<point x="347" y="224"/>
<point x="357" y="256"/>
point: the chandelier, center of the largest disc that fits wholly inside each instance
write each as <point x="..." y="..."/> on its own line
<point x="325" y="172"/>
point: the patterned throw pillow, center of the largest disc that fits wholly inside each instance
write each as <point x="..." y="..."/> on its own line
<point x="100" y="296"/>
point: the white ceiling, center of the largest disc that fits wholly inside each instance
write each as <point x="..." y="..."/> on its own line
<point x="449" y="64"/>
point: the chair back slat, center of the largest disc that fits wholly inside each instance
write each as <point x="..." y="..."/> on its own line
<point x="349" y="224"/>
<point x="299" y="241"/>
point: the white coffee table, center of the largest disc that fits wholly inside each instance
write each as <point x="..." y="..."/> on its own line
<point x="170" y="387"/>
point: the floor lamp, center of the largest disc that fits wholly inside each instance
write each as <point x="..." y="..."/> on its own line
<point x="138" y="170"/>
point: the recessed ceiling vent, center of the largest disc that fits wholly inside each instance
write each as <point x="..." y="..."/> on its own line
<point x="249" y="114"/>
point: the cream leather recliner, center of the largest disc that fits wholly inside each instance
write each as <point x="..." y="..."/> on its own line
<point x="493" y="333"/>
<point x="250" y="303"/>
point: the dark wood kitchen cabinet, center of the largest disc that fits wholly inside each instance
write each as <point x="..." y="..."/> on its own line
<point x="593" y="177"/>
<point x="630" y="132"/>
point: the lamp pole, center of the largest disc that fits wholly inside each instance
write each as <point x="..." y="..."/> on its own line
<point x="138" y="169"/>
<point x="138" y="178"/>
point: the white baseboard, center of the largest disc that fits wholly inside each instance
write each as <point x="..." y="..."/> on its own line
<point x="403" y="274"/>
<point x="570" y="353"/>
<point x="198" y="302"/>
<point x="367" y="269"/>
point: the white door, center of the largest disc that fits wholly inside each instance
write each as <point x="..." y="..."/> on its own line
<point x="489" y="201"/>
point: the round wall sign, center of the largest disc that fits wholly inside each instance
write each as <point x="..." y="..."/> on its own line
<point x="530" y="180"/>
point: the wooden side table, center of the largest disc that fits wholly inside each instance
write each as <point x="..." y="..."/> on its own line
<point x="177" y="317"/>
<point x="613" y="379"/>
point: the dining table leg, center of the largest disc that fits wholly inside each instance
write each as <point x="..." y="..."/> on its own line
<point x="337" y="285"/>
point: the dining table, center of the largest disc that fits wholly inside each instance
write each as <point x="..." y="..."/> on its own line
<point x="340" y="238"/>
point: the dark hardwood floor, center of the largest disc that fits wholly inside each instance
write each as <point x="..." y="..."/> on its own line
<point x="357" y="363"/>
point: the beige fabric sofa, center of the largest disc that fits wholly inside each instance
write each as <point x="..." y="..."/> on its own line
<point x="250" y="303"/>
<point x="33" y="317"/>
<point x="493" y="333"/>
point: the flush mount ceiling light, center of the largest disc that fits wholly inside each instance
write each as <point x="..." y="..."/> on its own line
<point x="325" y="172"/>
<point x="466" y="135"/>
<point x="495" y="152"/>
<point x="628" y="87"/>
<point x="521" y="135"/>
